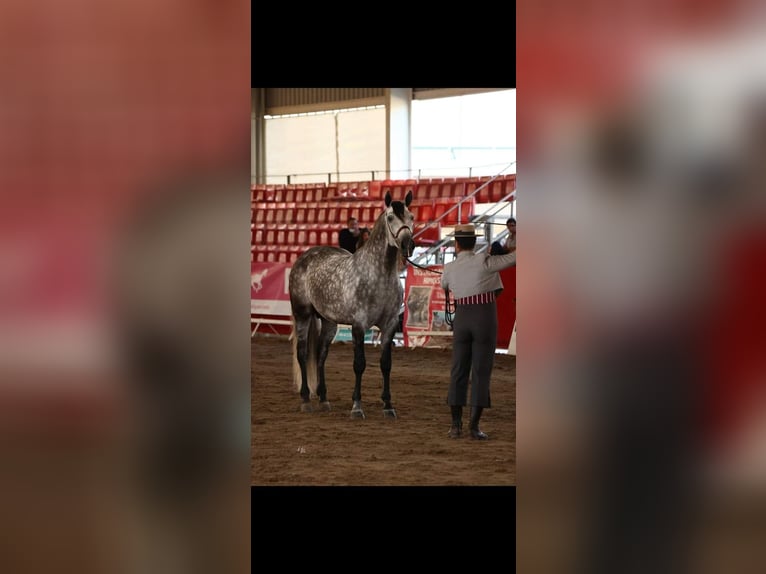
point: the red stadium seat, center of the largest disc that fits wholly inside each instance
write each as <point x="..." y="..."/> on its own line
<point x="483" y="195"/>
<point x="470" y="187"/>
<point x="435" y="190"/>
<point x="354" y="191"/>
<point x="496" y="190"/>
<point x="423" y="210"/>
<point x="259" y="253"/>
<point x="279" y="216"/>
<point x="386" y="186"/>
<point x="259" y="213"/>
<point x="258" y="236"/>
<point x="341" y="190"/>
<point x="365" y="214"/>
<point x="466" y="210"/>
<point x="461" y="213"/>
<point x="510" y="184"/>
<point x="374" y="190"/>
<point x="398" y="190"/>
<point x="441" y="205"/>
<point x="448" y="189"/>
<point x="427" y="235"/>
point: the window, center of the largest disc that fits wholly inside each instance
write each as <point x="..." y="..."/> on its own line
<point x="464" y="135"/>
<point x="308" y="147"/>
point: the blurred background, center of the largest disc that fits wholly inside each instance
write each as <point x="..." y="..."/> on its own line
<point x="641" y="426"/>
<point x="640" y="397"/>
<point x="124" y="182"/>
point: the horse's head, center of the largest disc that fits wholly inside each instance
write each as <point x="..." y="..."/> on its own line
<point x="399" y="222"/>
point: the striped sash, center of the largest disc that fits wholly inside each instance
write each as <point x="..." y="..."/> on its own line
<point x="479" y="299"/>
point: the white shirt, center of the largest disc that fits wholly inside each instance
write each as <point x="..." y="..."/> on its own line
<point x="471" y="274"/>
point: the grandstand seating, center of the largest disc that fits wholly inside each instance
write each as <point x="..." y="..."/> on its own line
<point x="287" y="219"/>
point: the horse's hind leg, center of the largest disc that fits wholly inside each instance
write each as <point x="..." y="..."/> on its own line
<point x="302" y="341"/>
<point x="326" y="335"/>
<point x="360" y="363"/>
<point x="385" y="368"/>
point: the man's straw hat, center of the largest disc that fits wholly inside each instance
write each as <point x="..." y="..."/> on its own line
<point x="465" y="230"/>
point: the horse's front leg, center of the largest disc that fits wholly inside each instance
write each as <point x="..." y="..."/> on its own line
<point x="385" y="368"/>
<point x="360" y="363"/>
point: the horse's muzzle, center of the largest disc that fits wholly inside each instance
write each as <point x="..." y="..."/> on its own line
<point x="407" y="246"/>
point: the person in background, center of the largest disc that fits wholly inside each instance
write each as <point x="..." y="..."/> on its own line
<point x="364" y="235"/>
<point x="348" y="237"/>
<point x="475" y="282"/>
<point x="509" y="245"/>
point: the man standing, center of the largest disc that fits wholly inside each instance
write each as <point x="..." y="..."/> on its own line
<point x="348" y="237"/>
<point x="475" y="282"/>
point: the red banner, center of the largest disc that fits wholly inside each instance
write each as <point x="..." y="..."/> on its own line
<point x="269" y="288"/>
<point x="506" y="308"/>
<point x="424" y="320"/>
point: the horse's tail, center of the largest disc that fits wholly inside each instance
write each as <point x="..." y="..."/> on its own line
<point x="311" y="359"/>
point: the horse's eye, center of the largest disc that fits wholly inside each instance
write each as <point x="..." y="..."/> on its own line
<point x="390" y="217"/>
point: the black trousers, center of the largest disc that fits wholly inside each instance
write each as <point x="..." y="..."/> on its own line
<point x="474" y="336"/>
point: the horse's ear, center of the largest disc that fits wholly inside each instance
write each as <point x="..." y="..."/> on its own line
<point x="388" y="198"/>
<point x="408" y="199"/>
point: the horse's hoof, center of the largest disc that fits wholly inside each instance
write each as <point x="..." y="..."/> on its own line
<point x="325" y="406"/>
<point x="389" y="413"/>
<point x="307" y="408"/>
<point x="357" y="414"/>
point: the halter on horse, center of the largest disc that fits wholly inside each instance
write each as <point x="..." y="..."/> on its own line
<point x="330" y="286"/>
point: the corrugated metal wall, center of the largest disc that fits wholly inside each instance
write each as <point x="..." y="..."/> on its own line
<point x="430" y="93"/>
<point x="287" y="100"/>
<point x="298" y="100"/>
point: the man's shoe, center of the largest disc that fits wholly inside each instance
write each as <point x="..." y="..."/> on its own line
<point x="475" y="416"/>
<point x="478" y="435"/>
<point x="455" y="431"/>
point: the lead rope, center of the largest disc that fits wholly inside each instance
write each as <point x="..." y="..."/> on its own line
<point x="449" y="309"/>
